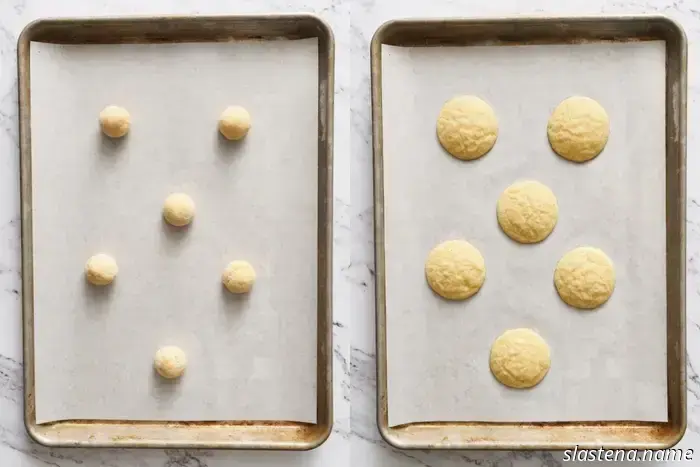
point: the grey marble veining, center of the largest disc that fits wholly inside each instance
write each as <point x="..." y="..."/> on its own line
<point x="355" y="440"/>
<point x="366" y="16"/>
<point x="15" y="447"/>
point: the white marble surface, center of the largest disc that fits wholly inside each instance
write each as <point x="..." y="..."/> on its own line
<point x="355" y="440"/>
<point x="15" y="448"/>
<point x="366" y="16"/>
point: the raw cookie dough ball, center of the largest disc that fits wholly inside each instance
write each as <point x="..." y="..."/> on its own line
<point x="585" y="277"/>
<point x="170" y="362"/>
<point x="519" y="358"/>
<point x="455" y="270"/>
<point x="578" y="129"/>
<point x="527" y="211"/>
<point x="238" y="277"/>
<point x="101" y="269"/>
<point x="114" y="121"/>
<point x="178" y="209"/>
<point x="234" y="123"/>
<point x="467" y="127"/>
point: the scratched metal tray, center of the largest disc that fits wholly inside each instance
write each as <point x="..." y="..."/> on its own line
<point x="245" y="434"/>
<point x="548" y="30"/>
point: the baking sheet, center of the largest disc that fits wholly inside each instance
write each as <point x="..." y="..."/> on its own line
<point x="250" y="358"/>
<point x="608" y="364"/>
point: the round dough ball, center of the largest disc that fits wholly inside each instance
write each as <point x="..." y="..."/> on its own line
<point x="101" y="269"/>
<point x="234" y="123"/>
<point x="467" y="127"/>
<point x="519" y="358"/>
<point x="455" y="270"/>
<point x="114" y="121"/>
<point x="527" y="211"/>
<point x="585" y="277"/>
<point x="178" y="209"/>
<point x="170" y="362"/>
<point x="238" y="277"/>
<point x="578" y="129"/>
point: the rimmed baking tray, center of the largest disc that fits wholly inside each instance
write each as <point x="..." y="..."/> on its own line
<point x="548" y="30"/>
<point x="246" y="434"/>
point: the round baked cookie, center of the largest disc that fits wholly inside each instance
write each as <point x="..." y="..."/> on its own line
<point x="178" y="209"/>
<point x="114" y="121"/>
<point x="467" y="127"/>
<point x="578" y="129"/>
<point x="101" y="269"/>
<point x="234" y="123"/>
<point x="238" y="277"/>
<point x="455" y="270"/>
<point x="585" y="277"/>
<point x="520" y="358"/>
<point x="527" y="211"/>
<point x="170" y="362"/>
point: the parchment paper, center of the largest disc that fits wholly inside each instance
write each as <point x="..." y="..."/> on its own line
<point x="608" y="364"/>
<point x="250" y="357"/>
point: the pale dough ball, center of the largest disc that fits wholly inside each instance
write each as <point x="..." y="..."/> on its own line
<point x="114" y="121"/>
<point x="178" y="209"/>
<point x="527" y="211"/>
<point x="170" y="362"/>
<point x="234" y="123"/>
<point x="520" y="358"/>
<point x="467" y="127"/>
<point x="578" y="129"/>
<point x="455" y="269"/>
<point x="585" y="277"/>
<point x="238" y="277"/>
<point x="101" y="269"/>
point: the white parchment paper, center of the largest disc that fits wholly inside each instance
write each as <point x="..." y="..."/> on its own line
<point x="250" y="357"/>
<point x="608" y="364"/>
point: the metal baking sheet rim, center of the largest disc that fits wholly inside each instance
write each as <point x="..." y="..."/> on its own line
<point x="511" y="31"/>
<point x="246" y="434"/>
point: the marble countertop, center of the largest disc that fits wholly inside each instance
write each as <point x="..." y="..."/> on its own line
<point x="355" y="439"/>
